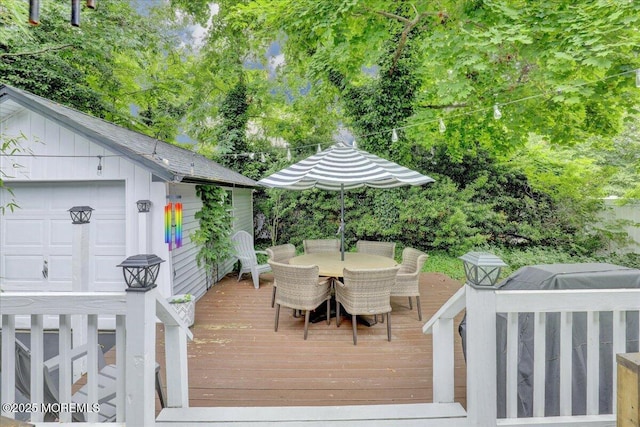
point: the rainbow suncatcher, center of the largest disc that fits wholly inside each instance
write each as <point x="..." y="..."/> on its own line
<point x="167" y="223"/>
<point x="178" y="219"/>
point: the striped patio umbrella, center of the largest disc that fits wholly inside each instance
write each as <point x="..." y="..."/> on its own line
<point x="342" y="167"/>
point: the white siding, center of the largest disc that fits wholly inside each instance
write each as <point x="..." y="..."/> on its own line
<point x="59" y="157"/>
<point x="187" y="276"/>
<point x="243" y="209"/>
<point x="242" y="203"/>
<point x="54" y="153"/>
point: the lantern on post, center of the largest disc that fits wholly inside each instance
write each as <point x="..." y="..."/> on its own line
<point x="144" y="206"/>
<point x="481" y="268"/>
<point x="80" y="214"/>
<point x="141" y="271"/>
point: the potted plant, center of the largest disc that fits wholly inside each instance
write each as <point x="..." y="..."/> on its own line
<point x="185" y="306"/>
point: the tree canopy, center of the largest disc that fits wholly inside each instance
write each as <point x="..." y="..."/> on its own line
<point x="550" y="67"/>
<point x="116" y="61"/>
<point x="525" y="111"/>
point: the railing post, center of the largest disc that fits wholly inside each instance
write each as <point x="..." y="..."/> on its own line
<point x="440" y="326"/>
<point x="141" y="356"/>
<point x="80" y="282"/>
<point x="8" y="364"/>
<point x="177" y="369"/>
<point x="176" y="334"/>
<point x="481" y="355"/>
<point x="443" y="361"/>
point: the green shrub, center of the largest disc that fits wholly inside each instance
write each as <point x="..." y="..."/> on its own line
<point x="449" y="264"/>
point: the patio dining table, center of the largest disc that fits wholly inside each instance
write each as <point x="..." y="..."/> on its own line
<point x="330" y="265"/>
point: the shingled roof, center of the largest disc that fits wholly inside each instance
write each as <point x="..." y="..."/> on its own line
<point x="166" y="161"/>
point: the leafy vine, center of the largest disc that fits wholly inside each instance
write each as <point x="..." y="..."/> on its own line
<point x="214" y="233"/>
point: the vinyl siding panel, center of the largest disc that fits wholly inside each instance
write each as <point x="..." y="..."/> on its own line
<point x="188" y="278"/>
<point x="243" y="209"/>
<point x="242" y="204"/>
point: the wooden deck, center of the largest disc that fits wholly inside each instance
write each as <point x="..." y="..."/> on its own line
<point x="236" y="358"/>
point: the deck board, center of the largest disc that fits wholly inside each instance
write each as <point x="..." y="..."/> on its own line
<point x="236" y="358"/>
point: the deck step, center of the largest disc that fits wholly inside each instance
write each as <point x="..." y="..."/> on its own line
<point x="422" y="414"/>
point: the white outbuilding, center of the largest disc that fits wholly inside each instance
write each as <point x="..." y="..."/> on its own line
<point x="67" y="158"/>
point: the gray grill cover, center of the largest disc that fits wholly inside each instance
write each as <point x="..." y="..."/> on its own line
<point x="563" y="276"/>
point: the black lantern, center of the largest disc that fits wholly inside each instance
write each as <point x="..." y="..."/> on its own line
<point x="143" y="205"/>
<point x="140" y="271"/>
<point x="481" y="268"/>
<point x="80" y="214"/>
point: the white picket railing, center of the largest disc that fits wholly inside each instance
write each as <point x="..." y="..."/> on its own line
<point x="442" y="328"/>
<point x="482" y="306"/>
<point x="136" y="313"/>
<point x="135" y="339"/>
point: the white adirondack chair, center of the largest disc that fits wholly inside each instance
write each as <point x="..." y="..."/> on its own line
<point x="106" y="383"/>
<point x="243" y="243"/>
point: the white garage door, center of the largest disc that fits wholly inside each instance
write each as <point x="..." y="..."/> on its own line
<point x="37" y="237"/>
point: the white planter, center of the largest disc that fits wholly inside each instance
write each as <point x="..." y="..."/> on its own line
<point x="186" y="310"/>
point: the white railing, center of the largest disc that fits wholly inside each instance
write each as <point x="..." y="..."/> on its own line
<point x="485" y="305"/>
<point x="132" y="392"/>
<point x="442" y="328"/>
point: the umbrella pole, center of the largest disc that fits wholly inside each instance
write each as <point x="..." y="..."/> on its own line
<point x="342" y="221"/>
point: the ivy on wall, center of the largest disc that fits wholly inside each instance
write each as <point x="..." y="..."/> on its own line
<point x="214" y="235"/>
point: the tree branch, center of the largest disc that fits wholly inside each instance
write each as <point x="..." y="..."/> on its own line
<point x="444" y="107"/>
<point x="403" y="41"/>
<point x="409" y="24"/>
<point x="35" y="52"/>
<point x="392" y="16"/>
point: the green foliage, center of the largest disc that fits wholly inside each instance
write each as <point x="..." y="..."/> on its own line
<point x="451" y="266"/>
<point x="113" y="62"/>
<point x="619" y="160"/>
<point x="631" y="260"/>
<point x="447" y="264"/>
<point x="214" y="234"/>
<point x="231" y="132"/>
<point x="561" y="72"/>
<point x="516" y="258"/>
<point x="13" y="21"/>
<point x="181" y="299"/>
<point x="561" y="59"/>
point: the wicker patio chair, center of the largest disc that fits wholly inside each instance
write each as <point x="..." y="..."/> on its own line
<point x="407" y="282"/>
<point x="365" y="292"/>
<point x="243" y="244"/>
<point x="301" y="288"/>
<point x="280" y="253"/>
<point x="321" y="245"/>
<point x="386" y="249"/>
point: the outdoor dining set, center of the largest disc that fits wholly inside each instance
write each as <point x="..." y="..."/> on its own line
<point x="362" y="282"/>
